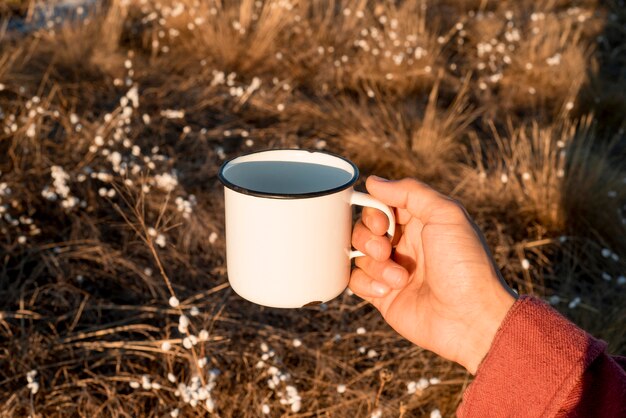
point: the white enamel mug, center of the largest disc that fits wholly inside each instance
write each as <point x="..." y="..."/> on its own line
<point x="289" y="225"/>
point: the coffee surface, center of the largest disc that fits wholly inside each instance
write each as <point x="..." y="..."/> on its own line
<point x="286" y="177"/>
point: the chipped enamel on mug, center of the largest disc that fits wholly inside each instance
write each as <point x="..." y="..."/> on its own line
<point x="289" y="225"/>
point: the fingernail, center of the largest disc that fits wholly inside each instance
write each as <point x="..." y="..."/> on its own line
<point x="376" y="178"/>
<point x="379" y="288"/>
<point x="393" y="275"/>
<point x="373" y="248"/>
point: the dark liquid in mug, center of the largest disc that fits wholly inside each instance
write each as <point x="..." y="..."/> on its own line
<point x="286" y="177"/>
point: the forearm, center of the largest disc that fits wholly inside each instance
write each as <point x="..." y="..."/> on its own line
<point x="536" y="360"/>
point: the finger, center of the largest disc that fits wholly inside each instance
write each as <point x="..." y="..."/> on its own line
<point x="369" y="243"/>
<point x="366" y="287"/>
<point x="388" y="271"/>
<point x="375" y="220"/>
<point x="419" y="199"/>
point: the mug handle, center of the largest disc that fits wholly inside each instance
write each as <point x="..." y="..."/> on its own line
<point x="363" y="199"/>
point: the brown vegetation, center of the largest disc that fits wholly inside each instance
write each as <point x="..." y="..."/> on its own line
<point x="113" y="126"/>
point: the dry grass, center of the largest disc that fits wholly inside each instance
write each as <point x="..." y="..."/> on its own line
<point x="112" y="130"/>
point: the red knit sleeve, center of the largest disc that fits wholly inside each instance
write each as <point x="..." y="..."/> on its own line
<point x="542" y="365"/>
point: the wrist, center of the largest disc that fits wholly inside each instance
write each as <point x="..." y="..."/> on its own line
<point x="483" y="329"/>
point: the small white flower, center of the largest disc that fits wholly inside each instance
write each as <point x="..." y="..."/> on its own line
<point x="621" y="280"/>
<point x="31" y="131"/>
<point x="166" y="182"/>
<point x="422" y="384"/>
<point x="554" y="60"/>
<point x="160" y="240"/>
<point x="156" y="385"/>
<point x="296" y="342"/>
<point x="606" y="276"/>
<point x="187" y="343"/>
<point x="265" y="409"/>
<point x="341" y="388"/>
<point x="377" y="413"/>
<point x="434" y="381"/>
<point x="574" y="302"/>
<point x="174" y="413"/>
<point x="210" y="405"/>
<point x="411" y="387"/>
<point x="134" y="385"/>
<point x="213" y="237"/>
<point x="606" y="253"/>
<point x="554" y="300"/>
<point x="174" y="302"/>
<point x="264" y="347"/>
<point x="361" y="330"/>
<point x="30" y="376"/>
<point x="172" y="114"/>
<point x="166" y="346"/>
<point x="296" y="406"/>
<point x="371" y="353"/>
<point x="435" y="413"/>
<point x="504" y="178"/>
<point x="203" y="335"/>
<point x="145" y="382"/>
<point x="280" y="107"/>
<point x="525" y="264"/>
<point x="183" y="323"/>
<point x="615" y="257"/>
<point x="171" y="377"/>
<point x="202" y="362"/>
<point x="34" y="387"/>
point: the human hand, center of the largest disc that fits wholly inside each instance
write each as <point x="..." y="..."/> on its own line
<point x="440" y="289"/>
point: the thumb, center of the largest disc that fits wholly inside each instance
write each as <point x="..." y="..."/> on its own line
<point x="419" y="199"/>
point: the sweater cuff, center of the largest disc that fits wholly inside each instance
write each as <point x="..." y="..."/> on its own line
<point x="534" y="362"/>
